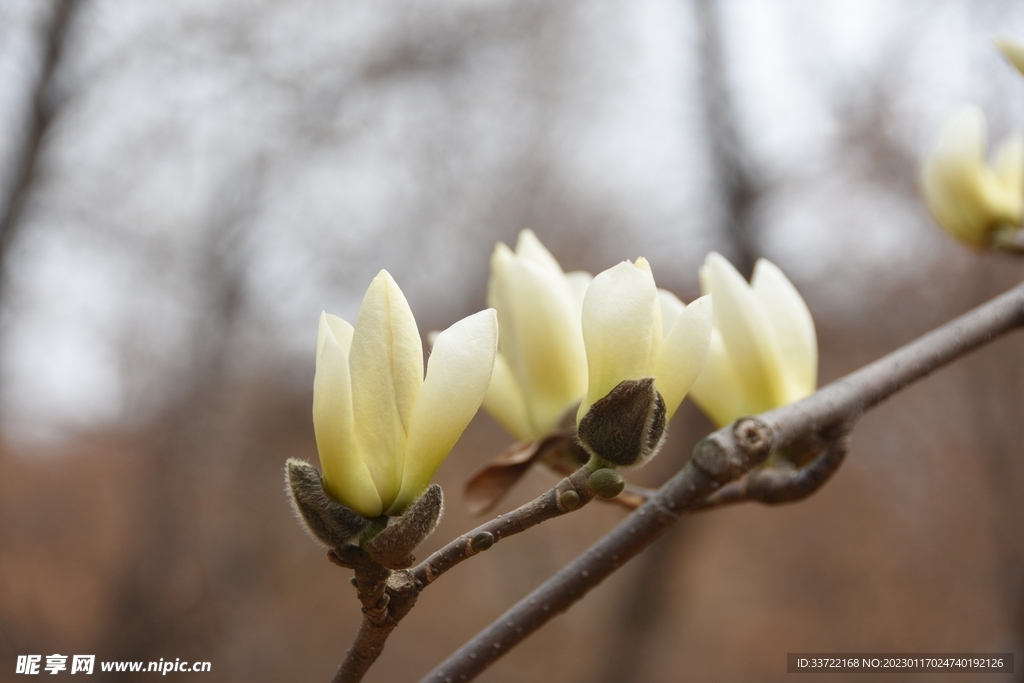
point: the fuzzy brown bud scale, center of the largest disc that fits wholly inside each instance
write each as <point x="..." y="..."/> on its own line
<point x="326" y="520"/>
<point x="627" y="426"/>
<point x="393" y="546"/>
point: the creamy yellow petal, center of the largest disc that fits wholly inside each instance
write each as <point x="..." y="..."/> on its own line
<point x="619" y="316"/>
<point x="530" y="248"/>
<point x="578" y="281"/>
<point x="965" y="195"/>
<point x="504" y="401"/>
<point x="794" y="333"/>
<point x="540" y="337"/>
<point x="718" y="391"/>
<point x="346" y="477"/>
<point x="341" y="329"/>
<point x="1013" y="50"/>
<point x="501" y="257"/>
<point x="745" y="330"/>
<point x="657" y="329"/>
<point x="644" y="265"/>
<point x="387" y="371"/>
<point x="671" y="307"/>
<point x="1009" y="168"/>
<point x="458" y="374"/>
<point x="951" y="173"/>
<point x="683" y="353"/>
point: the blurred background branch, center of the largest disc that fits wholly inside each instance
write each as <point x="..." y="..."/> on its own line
<point x="44" y="102"/>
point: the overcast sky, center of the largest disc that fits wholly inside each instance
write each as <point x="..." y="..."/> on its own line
<point x="304" y="145"/>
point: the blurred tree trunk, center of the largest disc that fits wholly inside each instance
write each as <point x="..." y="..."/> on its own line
<point x="737" y="190"/>
<point x="37" y="123"/>
<point x="642" y="604"/>
<point x="44" y="105"/>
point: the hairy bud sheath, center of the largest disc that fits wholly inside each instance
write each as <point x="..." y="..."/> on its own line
<point x="326" y="520"/>
<point x="393" y="546"/>
<point x="627" y="426"/>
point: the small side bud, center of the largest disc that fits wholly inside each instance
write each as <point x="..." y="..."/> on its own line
<point x="569" y="499"/>
<point x="393" y="546"/>
<point x="626" y="427"/>
<point x="326" y="520"/>
<point x="482" y="541"/>
<point x="606" y="483"/>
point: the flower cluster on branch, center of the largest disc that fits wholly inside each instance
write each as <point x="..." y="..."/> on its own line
<point x="586" y="372"/>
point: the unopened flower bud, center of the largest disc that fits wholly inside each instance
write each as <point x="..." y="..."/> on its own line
<point x="382" y="428"/>
<point x="606" y="483"/>
<point x="764" y="349"/>
<point x="540" y="371"/>
<point x="638" y="372"/>
<point x="970" y="198"/>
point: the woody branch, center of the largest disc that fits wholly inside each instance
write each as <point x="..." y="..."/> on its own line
<point x="388" y="596"/>
<point x="730" y="453"/>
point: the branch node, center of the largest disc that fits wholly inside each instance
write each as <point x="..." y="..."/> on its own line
<point x="754" y="437"/>
<point x="729" y="453"/>
<point x="403" y="584"/>
<point x="346" y="558"/>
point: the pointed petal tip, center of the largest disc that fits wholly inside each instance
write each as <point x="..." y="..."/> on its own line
<point x="1013" y="50"/>
<point x="763" y="265"/>
<point x="704" y="304"/>
<point x="500" y="257"/>
<point x="525" y="238"/>
<point x="715" y="256"/>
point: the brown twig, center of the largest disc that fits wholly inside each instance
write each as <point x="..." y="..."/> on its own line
<point x="719" y="458"/>
<point x="726" y="455"/>
<point x="388" y="596"/>
<point x="783" y="482"/>
<point x="632" y="496"/>
<point x="553" y="503"/>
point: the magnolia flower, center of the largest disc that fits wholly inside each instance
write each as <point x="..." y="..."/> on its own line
<point x="540" y="371"/>
<point x="969" y="198"/>
<point x="764" y="353"/>
<point x="1013" y="51"/>
<point x="634" y="335"/>
<point x="382" y="430"/>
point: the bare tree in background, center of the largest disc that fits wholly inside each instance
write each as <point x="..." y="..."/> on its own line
<point x="44" y="102"/>
<point x="642" y="603"/>
<point x="738" y="191"/>
<point x="187" y="443"/>
<point x="203" y="555"/>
